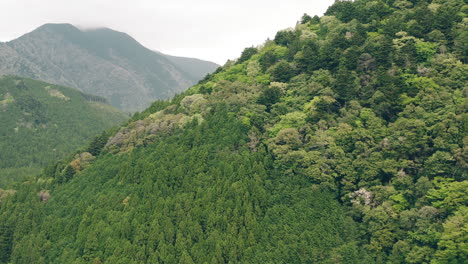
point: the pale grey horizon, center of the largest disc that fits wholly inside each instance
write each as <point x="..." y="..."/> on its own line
<point x="206" y="29"/>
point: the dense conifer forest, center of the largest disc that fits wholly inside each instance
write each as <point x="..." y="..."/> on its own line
<point x="342" y="140"/>
<point x="41" y="123"/>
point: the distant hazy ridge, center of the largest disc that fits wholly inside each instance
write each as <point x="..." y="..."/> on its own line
<point x="103" y="62"/>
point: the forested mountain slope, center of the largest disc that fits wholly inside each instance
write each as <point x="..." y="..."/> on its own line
<point x="194" y="67"/>
<point x="340" y="141"/>
<point x="42" y="122"/>
<point x="102" y="61"/>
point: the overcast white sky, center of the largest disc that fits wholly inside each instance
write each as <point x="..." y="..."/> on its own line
<point x="214" y="30"/>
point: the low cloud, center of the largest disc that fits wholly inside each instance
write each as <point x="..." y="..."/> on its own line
<point x="206" y="29"/>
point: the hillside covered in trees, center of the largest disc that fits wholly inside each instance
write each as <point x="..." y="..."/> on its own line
<point x="101" y="61"/>
<point x="41" y="123"/>
<point x="343" y="140"/>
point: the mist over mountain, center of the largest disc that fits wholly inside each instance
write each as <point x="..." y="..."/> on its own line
<point x="342" y="140"/>
<point x="101" y="61"/>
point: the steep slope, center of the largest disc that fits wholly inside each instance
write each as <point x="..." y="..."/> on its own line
<point x="104" y="62"/>
<point x="43" y="122"/>
<point x="194" y="67"/>
<point x="341" y="141"/>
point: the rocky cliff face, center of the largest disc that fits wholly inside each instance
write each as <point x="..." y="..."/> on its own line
<point x="102" y="62"/>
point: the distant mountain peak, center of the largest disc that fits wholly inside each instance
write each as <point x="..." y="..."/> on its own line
<point x="56" y="27"/>
<point x="100" y="61"/>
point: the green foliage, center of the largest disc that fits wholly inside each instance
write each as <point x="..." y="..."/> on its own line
<point x="290" y="120"/>
<point x="342" y="141"/>
<point x="343" y="10"/>
<point x="285" y="38"/>
<point x="42" y="123"/>
<point x="11" y="175"/>
<point x="269" y="96"/>
<point x="308" y="58"/>
<point x="453" y="242"/>
<point x="270" y="55"/>
<point x="247" y="54"/>
<point x="282" y="72"/>
<point x="448" y="195"/>
<point x="306" y="19"/>
<point x="213" y="199"/>
<point x="426" y="50"/>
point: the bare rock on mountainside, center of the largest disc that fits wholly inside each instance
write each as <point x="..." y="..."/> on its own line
<point x="103" y="62"/>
